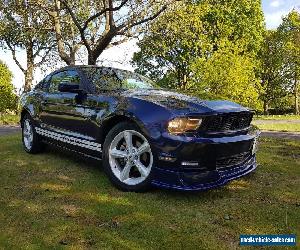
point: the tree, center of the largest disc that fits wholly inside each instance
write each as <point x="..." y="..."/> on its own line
<point x="273" y="81"/>
<point x="168" y="48"/>
<point x="227" y="75"/>
<point x="7" y="95"/>
<point x="111" y="23"/>
<point x="203" y="35"/>
<point x="23" y="26"/>
<point x="289" y="32"/>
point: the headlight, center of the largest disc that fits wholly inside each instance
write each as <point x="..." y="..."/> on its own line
<point x="181" y="125"/>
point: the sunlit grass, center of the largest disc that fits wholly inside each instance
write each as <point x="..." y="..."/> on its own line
<point x="54" y="199"/>
<point x="277" y="117"/>
<point x="284" y="127"/>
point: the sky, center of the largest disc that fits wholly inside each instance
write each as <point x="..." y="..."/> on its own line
<point x="121" y="55"/>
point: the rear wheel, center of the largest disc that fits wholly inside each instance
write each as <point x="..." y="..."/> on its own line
<point x="31" y="141"/>
<point x="128" y="158"/>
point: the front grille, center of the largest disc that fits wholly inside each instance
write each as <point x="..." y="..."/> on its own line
<point x="232" y="160"/>
<point x="226" y="122"/>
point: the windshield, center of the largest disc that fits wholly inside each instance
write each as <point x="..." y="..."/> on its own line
<point x="110" y="79"/>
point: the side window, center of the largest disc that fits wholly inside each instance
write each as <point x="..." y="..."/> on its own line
<point x="68" y="76"/>
<point x="102" y="78"/>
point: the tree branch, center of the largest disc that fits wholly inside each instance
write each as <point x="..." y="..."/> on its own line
<point x="118" y="42"/>
<point x="13" y="51"/>
<point x="44" y="56"/>
<point x="76" y="22"/>
<point x="91" y="18"/>
<point x="128" y="26"/>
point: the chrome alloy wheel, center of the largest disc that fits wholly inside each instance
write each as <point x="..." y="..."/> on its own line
<point x="130" y="157"/>
<point x="27" y="134"/>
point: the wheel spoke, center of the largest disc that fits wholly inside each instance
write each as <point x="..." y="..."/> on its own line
<point x="124" y="175"/>
<point x="118" y="153"/>
<point x="27" y="125"/>
<point x="128" y="139"/>
<point x="27" y="134"/>
<point x="130" y="153"/>
<point x="141" y="168"/>
<point x="145" y="147"/>
<point x="30" y="137"/>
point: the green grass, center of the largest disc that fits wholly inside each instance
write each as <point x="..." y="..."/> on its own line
<point x="54" y="200"/>
<point x="277" y="117"/>
<point x="284" y="127"/>
<point x="9" y="119"/>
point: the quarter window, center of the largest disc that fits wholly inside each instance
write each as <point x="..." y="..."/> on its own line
<point x="42" y="85"/>
<point x="68" y="76"/>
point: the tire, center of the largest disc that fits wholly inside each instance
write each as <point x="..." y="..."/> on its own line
<point x="32" y="143"/>
<point x="128" y="168"/>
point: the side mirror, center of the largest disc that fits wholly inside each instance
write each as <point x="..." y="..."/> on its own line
<point x="69" y="87"/>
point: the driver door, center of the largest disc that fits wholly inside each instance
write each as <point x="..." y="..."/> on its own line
<point x="60" y="110"/>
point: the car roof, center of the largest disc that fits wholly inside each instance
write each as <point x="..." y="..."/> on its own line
<point x="87" y="66"/>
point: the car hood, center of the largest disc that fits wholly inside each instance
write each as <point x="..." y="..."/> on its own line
<point x="180" y="103"/>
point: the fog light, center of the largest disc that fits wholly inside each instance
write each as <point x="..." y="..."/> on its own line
<point x="189" y="163"/>
<point x="167" y="158"/>
<point x="255" y="146"/>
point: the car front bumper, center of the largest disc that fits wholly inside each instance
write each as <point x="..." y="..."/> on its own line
<point x="208" y="153"/>
<point x="201" y="181"/>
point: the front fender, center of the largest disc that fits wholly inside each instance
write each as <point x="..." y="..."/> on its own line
<point x="30" y="104"/>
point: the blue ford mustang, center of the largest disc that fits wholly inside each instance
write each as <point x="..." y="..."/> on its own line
<point x="144" y="135"/>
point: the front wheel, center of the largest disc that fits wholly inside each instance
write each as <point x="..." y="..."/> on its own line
<point x="31" y="141"/>
<point x="128" y="158"/>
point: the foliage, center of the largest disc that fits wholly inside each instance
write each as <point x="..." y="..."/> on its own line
<point x="227" y="75"/>
<point x="8" y="99"/>
<point x="272" y="79"/>
<point x="289" y="32"/>
<point x="169" y="47"/>
<point x="9" y="119"/>
<point x="202" y="38"/>
<point x="280" y="65"/>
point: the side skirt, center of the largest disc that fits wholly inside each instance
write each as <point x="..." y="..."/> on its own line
<point x="72" y="150"/>
<point x="69" y="139"/>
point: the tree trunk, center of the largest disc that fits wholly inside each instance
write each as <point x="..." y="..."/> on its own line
<point x="72" y="57"/>
<point x="296" y="97"/>
<point x="91" y="59"/>
<point x="179" y="78"/>
<point x="30" y="67"/>
<point x="93" y="54"/>
<point x="68" y="59"/>
<point x="266" y="107"/>
<point x="184" y="81"/>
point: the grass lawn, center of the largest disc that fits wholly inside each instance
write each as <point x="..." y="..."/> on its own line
<point x="285" y="123"/>
<point x="53" y="200"/>
<point x="276" y="117"/>
<point x="8" y="119"/>
<point x="284" y="127"/>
